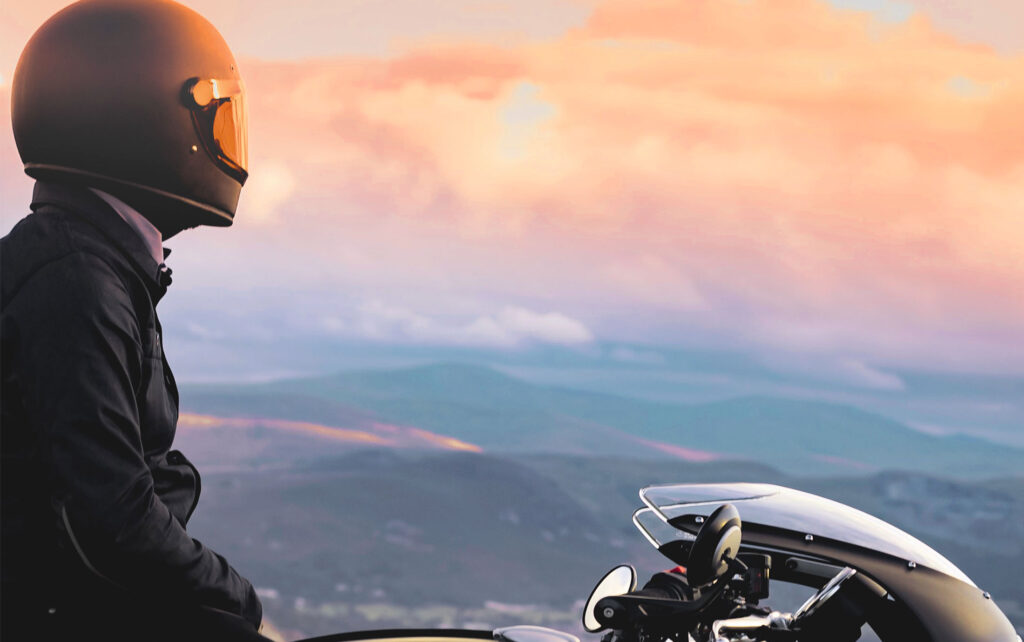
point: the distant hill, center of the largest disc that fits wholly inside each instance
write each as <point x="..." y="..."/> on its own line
<point x="483" y="408"/>
<point x="458" y="528"/>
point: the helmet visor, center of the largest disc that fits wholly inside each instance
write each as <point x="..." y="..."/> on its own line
<point x="221" y="118"/>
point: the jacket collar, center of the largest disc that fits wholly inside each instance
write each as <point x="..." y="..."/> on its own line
<point x="82" y="202"/>
<point x="148" y="232"/>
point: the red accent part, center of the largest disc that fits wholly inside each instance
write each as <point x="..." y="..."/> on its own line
<point x="680" y="570"/>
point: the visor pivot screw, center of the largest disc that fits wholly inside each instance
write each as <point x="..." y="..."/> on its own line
<point x="808" y="537"/>
<point x="911" y="565"/>
<point x="987" y="595"/>
<point x="609" y="612"/>
<point x="194" y="149"/>
<point x="698" y="519"/>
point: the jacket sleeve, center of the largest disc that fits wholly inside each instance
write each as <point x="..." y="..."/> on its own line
<point x="79" y="362"/>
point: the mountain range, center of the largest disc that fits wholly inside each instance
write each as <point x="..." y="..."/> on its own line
<point x="457" y="406"/>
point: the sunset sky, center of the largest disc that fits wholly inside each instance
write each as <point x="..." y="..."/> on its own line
<point x="839" y="182"/>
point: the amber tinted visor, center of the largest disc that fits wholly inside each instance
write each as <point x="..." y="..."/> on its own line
<point x="221" y="117"/>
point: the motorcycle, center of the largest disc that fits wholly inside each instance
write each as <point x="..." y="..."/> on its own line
<point x="869" y="575"/>
<point x="730" y="542"/>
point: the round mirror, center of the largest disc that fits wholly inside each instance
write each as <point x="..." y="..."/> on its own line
<point x="619" y="580"/>
<point x="717" y="544"/>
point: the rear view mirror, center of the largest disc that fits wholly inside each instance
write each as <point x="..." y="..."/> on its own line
<point x="618" y="581"/>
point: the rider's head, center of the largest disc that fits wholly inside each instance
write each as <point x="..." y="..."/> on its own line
<point x="139" y="98"/>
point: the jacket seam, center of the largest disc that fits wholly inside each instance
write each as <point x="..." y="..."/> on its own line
<point x="81" y="552"/>
<point x="35" y="272"/>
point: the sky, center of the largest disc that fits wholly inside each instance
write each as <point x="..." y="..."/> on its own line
<point x="834" y="186"/>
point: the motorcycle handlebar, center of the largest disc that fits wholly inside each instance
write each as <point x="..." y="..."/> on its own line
<point x="613" y="613"/>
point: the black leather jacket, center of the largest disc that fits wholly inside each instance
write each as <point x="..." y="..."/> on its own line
<point x="94" y="500"/>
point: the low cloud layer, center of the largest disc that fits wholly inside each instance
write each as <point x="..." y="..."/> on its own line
<point x="511" y="327"/>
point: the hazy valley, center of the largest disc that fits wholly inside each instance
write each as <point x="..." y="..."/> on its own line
<point x="457" y="496"/>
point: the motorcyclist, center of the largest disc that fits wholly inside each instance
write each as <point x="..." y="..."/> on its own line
<point x="130" y="115"/>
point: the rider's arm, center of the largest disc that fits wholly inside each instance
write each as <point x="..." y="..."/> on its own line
<point x="79" y="364"/>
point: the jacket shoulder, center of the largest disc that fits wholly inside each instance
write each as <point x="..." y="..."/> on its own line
<point x="42" y="239"/>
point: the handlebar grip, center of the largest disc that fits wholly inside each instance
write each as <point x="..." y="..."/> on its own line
<point x="612" y="613"/>
<point x="667" y="585"/>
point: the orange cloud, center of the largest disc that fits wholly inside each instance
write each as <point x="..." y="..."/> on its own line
<point x="812" y="164"/>
<point x="686" y="454"/>
<point x="379" y="434"/>
<point x="449" y="443"/>
<point x="193" y="420"/>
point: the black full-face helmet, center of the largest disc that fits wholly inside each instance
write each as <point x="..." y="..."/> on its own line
<point x="140" y="98"/>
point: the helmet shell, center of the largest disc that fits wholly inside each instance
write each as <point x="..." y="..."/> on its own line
<point x="97" y="98"/>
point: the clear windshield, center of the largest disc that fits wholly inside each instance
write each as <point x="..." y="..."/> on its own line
<point x="768" y="505"/>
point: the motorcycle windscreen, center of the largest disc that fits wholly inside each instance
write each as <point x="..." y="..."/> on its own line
<point x="793" y="510"/>
<point x="656" y="530"/>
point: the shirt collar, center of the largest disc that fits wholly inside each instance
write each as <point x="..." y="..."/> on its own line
<point x="151" y="236"/>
